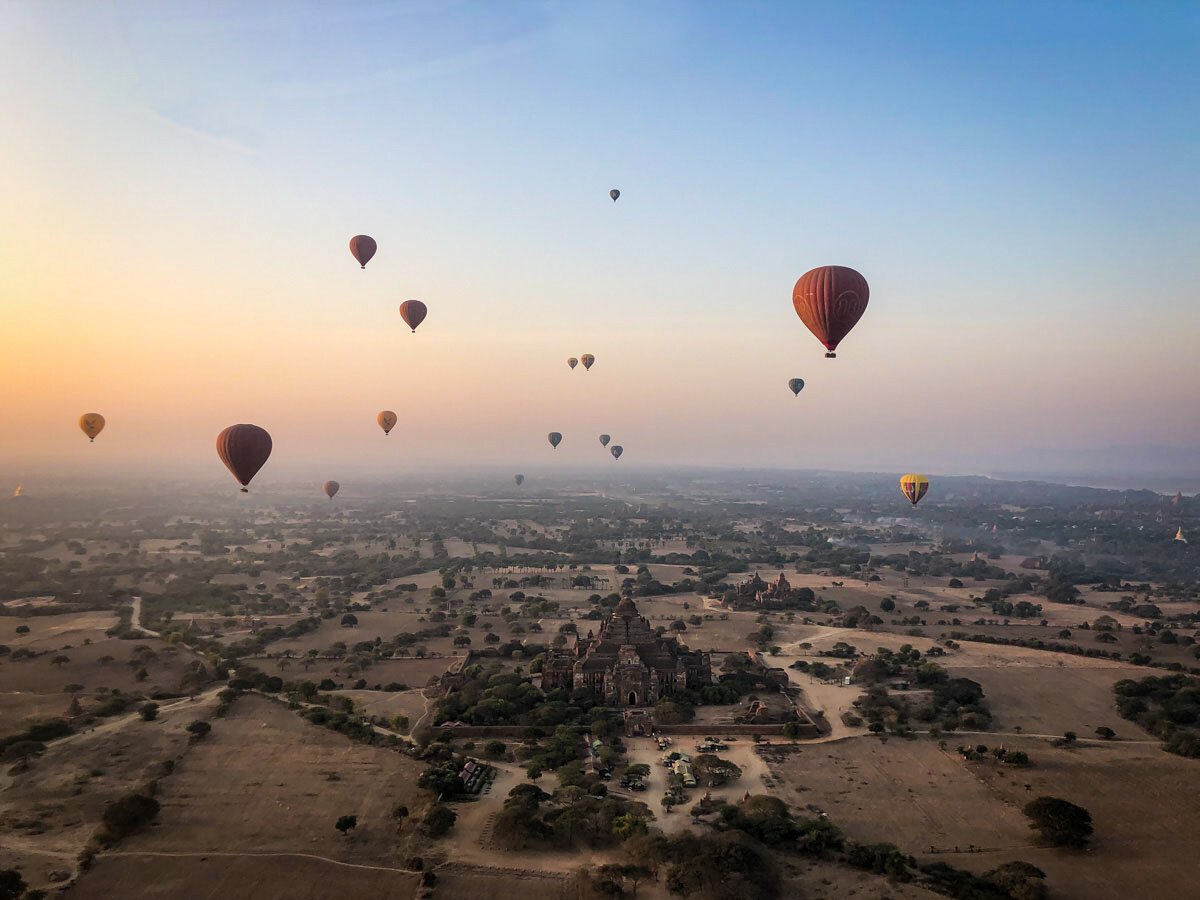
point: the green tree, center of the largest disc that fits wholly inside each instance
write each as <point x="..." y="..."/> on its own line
<point x="126" y="815"/>
<point x="345" y="824"/>
<point x="1060" y="822"/>
<point x="12" y="885"/>
<point x="199" y="729"/>
<point x="439" y="820"/>
<point x="148" y="712"/>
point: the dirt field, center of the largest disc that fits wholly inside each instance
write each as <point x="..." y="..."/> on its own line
<point x="266" y="780"/>
<point x="19" y="708"/>
<point x="480" y="883"/>
<point x="907" y="792"/>
<point x="202" y="876"/>
<point x="85" y="667"/>
<point x="411" y="671"/>
<point x="56" y="632"/>
<point x="1067" y="698"/>
<point x="1144" y="808"/>
<point x="382" y="703"/>
<point x="49" y="811"/>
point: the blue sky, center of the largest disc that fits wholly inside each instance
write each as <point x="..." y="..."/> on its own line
<point x="1016" y="181"/>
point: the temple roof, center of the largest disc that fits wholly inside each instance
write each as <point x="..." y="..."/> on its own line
<point x="626" y="608"/>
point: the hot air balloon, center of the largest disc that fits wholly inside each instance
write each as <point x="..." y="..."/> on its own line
<point x="244" y="449"/>
<point x="91" y="424"/>
<point x="386" y="420"/>
<point x="604" y="439"/>
<point x="797" y="385"/>
<point x="616" y="450"/>
<point x="588" y="360"/>
<point x="830" y="300"/>
<point x="554" y="438"/>
<point x="614" y="193"/>
<point x="331" y="488"/>
<point x="572" y="362"/>
<point x="362" y="248"/>
<point x="413" y="313"/>
<point x="914" y="487"/>
<point x="519" y="479"/>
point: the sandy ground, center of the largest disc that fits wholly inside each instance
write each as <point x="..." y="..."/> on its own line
<point x="203" y="875"/>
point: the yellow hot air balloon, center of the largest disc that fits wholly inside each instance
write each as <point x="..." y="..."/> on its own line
<point x="91" y="424"/>
<point x="914" y="487"/>
<point x="386" y="420"/>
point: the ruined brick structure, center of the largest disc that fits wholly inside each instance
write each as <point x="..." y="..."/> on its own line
<point x="626" y="664"/>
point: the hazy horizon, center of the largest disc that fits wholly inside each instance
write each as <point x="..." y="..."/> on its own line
<point x="182" y="181"/>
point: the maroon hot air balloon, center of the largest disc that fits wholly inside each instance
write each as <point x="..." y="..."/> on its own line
<point x="330" y="488"/>
<point x="244" y="449"/>
<point x="413" y="313"/>
<point x="830" y="300"/>
<point x="363" y="248"/>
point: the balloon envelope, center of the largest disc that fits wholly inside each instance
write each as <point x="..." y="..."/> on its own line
<point x="616" y="450"/>
<point x="572" y="362"/>
<point x="796" y="385"/>
<point x="914" y="487"/>
<point x="519" y="479"/>
<point x="330" y="488"/>
<point x="830" y="300"/>
<point x="587" y="359"/>
<point x="363" y="248"/>
<point x="244" y="449"/>
<point x="614" y="193"/>
<point x="413" y="313"/>
<point x="554" y="438"/>
<point x="386" y="420"/>
<point x="91" y="424"/>
<point x="604" y="439"/>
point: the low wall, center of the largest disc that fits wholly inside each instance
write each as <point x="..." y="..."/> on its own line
<point x="806" y="730"/>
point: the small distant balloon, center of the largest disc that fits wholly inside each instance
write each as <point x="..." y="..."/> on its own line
<point x="244" y="449"/>
<point x="554" y="438"/>
<point x="604" y="439"/>
<point x="572" y="362"/>
<point x="616" y="450"/>
<point x="331" y="488"/>
<point x="91" y="424"/>
<point x="413" y="313"/>
<point x="588" y="360"/>
<point x="362" y="248"/>
<point x="386" y="420"/>
<point x="914" y="487"/>
<point x="796" y="385"/>
<point x="519" y="479"/>
<point x="614" y="193"/>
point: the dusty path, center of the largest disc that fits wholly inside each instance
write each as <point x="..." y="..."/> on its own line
<point x="136" y="620"/>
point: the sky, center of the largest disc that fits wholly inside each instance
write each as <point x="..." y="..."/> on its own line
<point x="1017" y="182"/>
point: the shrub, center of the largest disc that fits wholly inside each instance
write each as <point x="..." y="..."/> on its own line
<point x="126" y="815"/>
